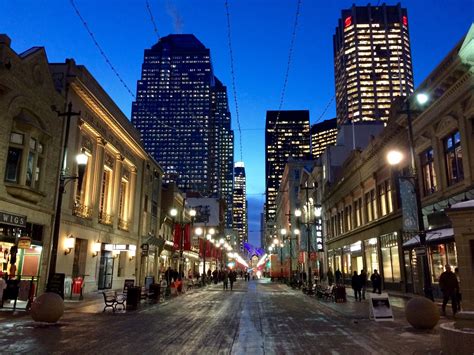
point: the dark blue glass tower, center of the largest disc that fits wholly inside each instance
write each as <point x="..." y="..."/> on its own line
<point x="182" y="113"/>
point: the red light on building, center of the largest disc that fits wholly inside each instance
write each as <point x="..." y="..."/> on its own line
<point x="347" y="21"/>
<point x="405" y="21"/>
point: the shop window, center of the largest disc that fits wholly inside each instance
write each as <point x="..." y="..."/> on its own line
<point x="390" y="258"/>
<point x="24" y="160"/>
<point x="428" y="171"/>
<point x="453" y="158"/>
<point x="371" y="256"/>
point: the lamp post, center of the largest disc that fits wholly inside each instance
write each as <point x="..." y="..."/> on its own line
<point x="174" y="213"/>
<point x="283" y="235"/>
<point x="206" y="239"/>
<point x="394" y="158"/>
<point x="81" y="160"/>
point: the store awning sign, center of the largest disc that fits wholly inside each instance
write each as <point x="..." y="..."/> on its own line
<point x="12" y="219"/>
<point x="24" y="242"/>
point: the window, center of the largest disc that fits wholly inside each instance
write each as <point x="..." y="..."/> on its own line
<point x="428" y="171"/>
<point x="24" y="160"/>
<point x="385" y="198"/>
<point x="390" y="258"/>
<point x="453" y="158"/>
<point x="348" y="218"/>
<point x="358" y="212"/>
<point x="105" y="195"/>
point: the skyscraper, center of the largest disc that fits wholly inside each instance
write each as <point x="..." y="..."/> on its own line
<point x="286" y="135"/>
<point x="322" y="135"/>
<point x="182" y="113"/>
<point x="239" y="205"/>
<point x="372" y="61"/>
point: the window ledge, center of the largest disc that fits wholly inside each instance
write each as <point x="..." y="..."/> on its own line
<point x="24" y="192"/>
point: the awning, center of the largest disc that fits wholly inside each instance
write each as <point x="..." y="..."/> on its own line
<point x="432" y="237"/>
<point x="152" y="240"/>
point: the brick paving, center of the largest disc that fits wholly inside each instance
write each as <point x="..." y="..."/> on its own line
<point x="258" y="317"/>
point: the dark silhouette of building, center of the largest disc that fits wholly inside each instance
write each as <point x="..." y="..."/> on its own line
<point x="286" y="135"/>
<point x="372" y="61"/>
<point x="182" y="112"/>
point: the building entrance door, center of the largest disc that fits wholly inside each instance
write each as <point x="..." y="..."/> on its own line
<point x="106" y="271"/>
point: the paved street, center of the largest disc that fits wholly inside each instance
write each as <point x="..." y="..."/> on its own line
<point x="258" y="317"/>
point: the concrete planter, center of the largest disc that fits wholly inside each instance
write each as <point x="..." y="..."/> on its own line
<point x="49" y="308"/>
<point x="422" y="313"/>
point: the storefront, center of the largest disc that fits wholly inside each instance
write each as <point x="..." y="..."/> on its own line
<point x="390" y="261"/>
<point x="441" y="250"/>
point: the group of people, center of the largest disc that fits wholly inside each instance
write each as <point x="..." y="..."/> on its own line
<point x="358" y="282"/>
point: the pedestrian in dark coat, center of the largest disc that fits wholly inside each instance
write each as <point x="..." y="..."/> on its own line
<point x="330" y="277"/>
<point x="232" y="279"/>
<point x="448" y="283"/>
<point x="338" y="275"/>
<point x="376" y="280"/>
<point x="356" y="286"/>
<point x="168" y="275"/>
<point x="225" y="278"/>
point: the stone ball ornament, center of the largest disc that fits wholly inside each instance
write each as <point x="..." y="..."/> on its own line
<point x="49" y="308"/>
<point x="422" y="313"/>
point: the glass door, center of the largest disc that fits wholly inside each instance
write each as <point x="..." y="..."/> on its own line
<point x="106" y="271"/>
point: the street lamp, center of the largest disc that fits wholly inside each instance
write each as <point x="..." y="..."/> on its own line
<point x="394" y="158"/>
<point x="81" y="160"/>
<point x="207" y="237"/>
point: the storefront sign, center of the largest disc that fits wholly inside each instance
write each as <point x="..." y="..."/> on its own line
<point x="13" y="220"/>
<point x="24" y="242"/>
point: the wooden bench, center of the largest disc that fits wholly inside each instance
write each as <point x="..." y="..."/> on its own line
<point x="325" y="293"/>
<point x="112" y="300"/>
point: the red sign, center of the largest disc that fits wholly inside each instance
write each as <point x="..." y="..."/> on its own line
<point x="347" y="21"/>
<point x="405" y="21"/>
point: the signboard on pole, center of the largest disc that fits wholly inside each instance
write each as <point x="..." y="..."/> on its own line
<point x="380" y="308"/>
<point x="409" y="206"/>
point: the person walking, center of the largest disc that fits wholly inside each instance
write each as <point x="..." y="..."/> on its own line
<point x="232" y="279"/>
<point x="448" y="283"/>
<point x="330" y="277"/>
<point x="338" y="275"/>
<point x="356" y="286"/>
<point x="363" y="282"/>
<point x="225" y="279"/>
<point x="376" y="280"/>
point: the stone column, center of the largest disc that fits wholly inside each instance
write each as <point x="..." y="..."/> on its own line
<point x="132" y="195"/>
<point x="115" y="195"/>
<point x="462" y="219"/>
<point x="96" y="175"/>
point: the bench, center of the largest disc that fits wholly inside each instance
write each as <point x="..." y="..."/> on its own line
<point x="112" y="300"/>
<point x="325" y="293"/>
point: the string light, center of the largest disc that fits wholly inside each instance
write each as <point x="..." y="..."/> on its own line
<point x="152" y="19"/>
<point x="288" y="65"/>
<point x="232" y="71"/>
<point x="102" y="53"/>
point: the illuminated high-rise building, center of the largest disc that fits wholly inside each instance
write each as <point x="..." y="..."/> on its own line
<point x="286" y="135"/>
<point x="322" y="135"/>
<point x="372" y="61"/>
<point x="182" y="112"/>
<point x="239" y="204"/>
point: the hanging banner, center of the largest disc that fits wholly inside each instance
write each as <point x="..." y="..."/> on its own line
<point x="294" y="246"/>
<point x="187" y="237"/>
<point x="409" y="206"/>
<point x="177" y="236"/>
<point x="304" y="239"/>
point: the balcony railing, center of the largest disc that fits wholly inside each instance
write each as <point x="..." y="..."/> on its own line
<point x="105" y="218"/>
<point x="123" y="225"/>
<point x="82" y="211"/>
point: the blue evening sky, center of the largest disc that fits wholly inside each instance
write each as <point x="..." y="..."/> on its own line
<point x="261" y="32"/>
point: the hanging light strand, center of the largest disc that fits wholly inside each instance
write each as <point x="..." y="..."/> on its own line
<point x="288" y="64"/>
<point x="152" y="19"/>
<point x="232" y="71"/>
<point x="102" y="53"/>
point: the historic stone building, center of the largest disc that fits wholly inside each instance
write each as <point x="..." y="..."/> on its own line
<point x="362" y="207"/>
<point x="106" y="219"/>
<point x="30" y="147"/>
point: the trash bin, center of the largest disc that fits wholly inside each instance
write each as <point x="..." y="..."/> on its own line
<point x="154" y="294"/>
<point x="133" y="297"/>
<point x="340" y="294"/>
